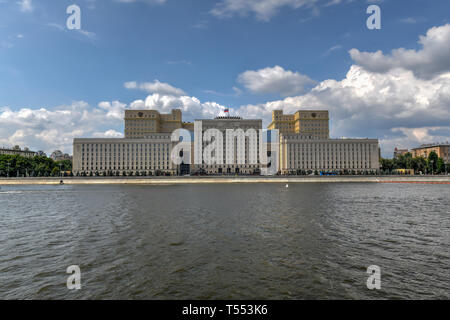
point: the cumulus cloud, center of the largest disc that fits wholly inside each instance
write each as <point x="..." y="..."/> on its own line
<point x="155" y="87"/>
<point x="108" y="134"/>
<point x="191" y="107"/>
<point x="51" y="129"/>
<point x="369" y="104"/>
<point x="274" y="80"/>
<point x="264" y="10"/>
<point x="397" y="105"/>
<point x="432" y="59"/>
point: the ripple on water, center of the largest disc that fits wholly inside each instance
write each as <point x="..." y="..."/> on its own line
<point x="225" y="241"/>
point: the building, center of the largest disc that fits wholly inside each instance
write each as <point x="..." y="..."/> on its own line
<point x="146" y="148"/>
<point x="16" y="150"/>
<point x="399" y="152"/>
<point x="314" y="123"/>
<point x="300" y="152"/>
<point x="142" y="123"/>
<point x="123" y="156"/>
<point x="149" y="152"/>
<point x="228" y="162"/>
<point x="442" y="150"/>
<point x="304" y="145"/>
<point x="57" y="155"/>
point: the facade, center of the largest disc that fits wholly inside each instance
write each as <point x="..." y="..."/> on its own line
<point x="442" y="151"/>
<point x="300" y="152"/>
<point x="228" y="161"/>
<point x="304" y="144"/>
<point x="123" y="156"/>
<point x="140" y="124"/>
<point x="16" y="150"/>
<point x="314" y="123"/>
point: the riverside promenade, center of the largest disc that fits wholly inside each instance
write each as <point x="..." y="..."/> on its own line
<point x="225" y="180"/>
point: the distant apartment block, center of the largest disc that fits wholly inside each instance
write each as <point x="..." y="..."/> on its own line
<point x="58" y="155"/>
<point x="442" y="150"/>
<point x="400" y="152"/>
<point x="16" y="150"/>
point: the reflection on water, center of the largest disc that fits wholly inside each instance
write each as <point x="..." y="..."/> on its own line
<point x="256" y="241"/>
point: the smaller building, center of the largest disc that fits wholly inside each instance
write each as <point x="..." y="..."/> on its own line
<point x="57" y="155"/>
<point x="442" y="150"/>
<point x="16" y="150"/>
<point x="399" y="152"/>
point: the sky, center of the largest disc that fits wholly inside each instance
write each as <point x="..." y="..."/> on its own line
<point x="202" y="56"/>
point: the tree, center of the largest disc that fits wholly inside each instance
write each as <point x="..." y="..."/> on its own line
<point x="432" y="162"/>
<point x="387" y="165"/>
<point x="440" y="165"/>
<point x="421" y="163"/>
<point x="66" y="165"/>
<point x="55" y="172"/>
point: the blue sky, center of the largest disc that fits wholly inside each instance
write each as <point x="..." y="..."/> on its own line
<point x="216" y="57"/>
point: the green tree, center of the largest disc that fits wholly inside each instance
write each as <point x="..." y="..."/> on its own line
<point x="432" y="162"/>
<point x="66" y="165"/>
<point x="440" y="165"/>
<point x="55" y="172"/>
<point x="387" y="165"/>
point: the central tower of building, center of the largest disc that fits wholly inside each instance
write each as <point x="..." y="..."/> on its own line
<point x="313" y="123"/>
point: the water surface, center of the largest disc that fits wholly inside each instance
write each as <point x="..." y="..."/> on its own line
<point x="230" y="241"/>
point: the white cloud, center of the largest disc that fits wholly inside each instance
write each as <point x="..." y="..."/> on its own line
<point x="332" y="49"/>
<point x="263" y="9"/>
<point x="113" y="110"/>
<point x="398" y="106"/>
<point x="409" y="20"/>
<point x="368" y="104"/>
<point x="108" y="134"/>
<point x="51" y="129"/>
<point x="274" y="80"/>
<point x="191" y="107"/>
<point x="88" y="34"/>
<point x="26" y="5"/>
<point x="431" y="60"/>
<point x="155" y="87"/>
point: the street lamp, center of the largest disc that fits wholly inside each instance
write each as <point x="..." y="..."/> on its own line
<point x="7" y="173"/>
